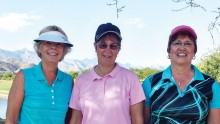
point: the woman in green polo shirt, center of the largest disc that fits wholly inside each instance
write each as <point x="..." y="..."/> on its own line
<point x="40" y="94"/>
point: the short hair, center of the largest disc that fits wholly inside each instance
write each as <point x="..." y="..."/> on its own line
<point x="173" y="38"/>
<point x="67" y="48"/>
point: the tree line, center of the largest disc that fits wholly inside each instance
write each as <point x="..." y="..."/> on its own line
<point x="142" y="73"/>
<point x="209" y="64"/>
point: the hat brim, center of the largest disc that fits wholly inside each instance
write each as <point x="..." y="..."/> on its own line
<point x="53" y="36"/>
<point x="116" y="33"/>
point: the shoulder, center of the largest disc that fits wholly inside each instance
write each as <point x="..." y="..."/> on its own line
<point x="20" y="74"/>
<point x="85" y="75"/>
<point x="28" y="69"/>
<point x="19" y="78"/>
<point x="154" y="76"/>
<point x="124" y="70"/>
<point x="202" y="76"/>
<point x="207" y="76"/>
<point x="65" y="74"/>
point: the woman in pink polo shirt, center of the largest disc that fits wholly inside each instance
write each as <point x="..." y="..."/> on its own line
<point x="108" y="93"/>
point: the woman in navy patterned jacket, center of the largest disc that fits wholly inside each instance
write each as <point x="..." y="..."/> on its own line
<point x="181" y="94"/>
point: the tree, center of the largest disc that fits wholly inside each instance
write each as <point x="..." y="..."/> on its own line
<point x="7" y="76"/>
<point x="74" y="74"/>
<point x="210" y="64"/>
<point x="118" y="9"/>
<point x="213" y="26"/>
<point x="84" y="70"/>
<point x="145" y="72"/>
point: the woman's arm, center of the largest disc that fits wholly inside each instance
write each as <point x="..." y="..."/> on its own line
<point x="137" y="113"/>
<point x="69" y="111"/>
<point x="15" y="99"/>
<point x="76" y="117"/>
<point x="214" y="116"/>
<point x="146" y="114"/>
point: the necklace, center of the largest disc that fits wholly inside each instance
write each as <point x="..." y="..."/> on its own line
<point x="178" y="83"/>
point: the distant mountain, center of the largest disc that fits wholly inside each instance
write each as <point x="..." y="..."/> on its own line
<point x="12" y="61"/>
<point x="23" y="55"/>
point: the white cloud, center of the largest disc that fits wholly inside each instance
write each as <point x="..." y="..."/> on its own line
<point x="138" y="22"/>
<point x="13" y="21"/>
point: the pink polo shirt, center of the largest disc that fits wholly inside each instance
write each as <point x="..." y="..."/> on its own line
<point x="106" y="100"/>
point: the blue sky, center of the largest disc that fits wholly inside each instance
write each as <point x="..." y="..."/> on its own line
<point x="145" y="26"/>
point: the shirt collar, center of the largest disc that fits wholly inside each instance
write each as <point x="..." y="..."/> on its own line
<point x="38" y="71"/>
<point x="113" y="73"/>
<point x="168" y="73"/>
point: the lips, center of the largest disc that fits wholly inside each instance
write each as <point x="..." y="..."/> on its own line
<point x="106" y="56"/>
<point x="181" y="54"/>
<point x="52" y="53"/>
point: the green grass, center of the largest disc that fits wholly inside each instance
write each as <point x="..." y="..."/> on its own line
<point x="5" y="85"/>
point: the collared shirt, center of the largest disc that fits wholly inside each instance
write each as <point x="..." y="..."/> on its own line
<point x="106" y="100"/>
<point x="169" y="104"/>
<point x="44" y="104"/>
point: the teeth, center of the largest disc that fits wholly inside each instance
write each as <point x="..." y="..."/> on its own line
<point x="107" y="56"/>
<point x="181" y="54"/>
<point x="53" y="54"/>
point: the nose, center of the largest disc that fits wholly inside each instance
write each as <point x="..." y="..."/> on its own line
<point x="108" y="47"/>
<point x="182" y="46"/>
<point x="53" y="46"/>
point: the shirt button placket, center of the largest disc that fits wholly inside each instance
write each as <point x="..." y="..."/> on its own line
<point x="52" y="96"/>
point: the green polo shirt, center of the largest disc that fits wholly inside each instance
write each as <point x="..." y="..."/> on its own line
<point x="44" y="104"/>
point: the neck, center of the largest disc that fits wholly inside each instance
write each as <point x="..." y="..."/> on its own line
<point x="50" y="72"/>
<point x="181" y="70"/>
<point x="103" y="70"/>
<point x="182" y="75"/>
<point x="47" y="66"/>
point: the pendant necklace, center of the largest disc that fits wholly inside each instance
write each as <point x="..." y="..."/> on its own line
<point x="178" y="83"/>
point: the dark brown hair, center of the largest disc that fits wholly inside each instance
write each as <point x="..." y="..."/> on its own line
<point x="183" y="34"/>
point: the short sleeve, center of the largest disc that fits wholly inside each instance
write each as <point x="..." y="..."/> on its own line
<point x="136" y="92"/>
<point x="74" y="100"/>
<point x="147" y="88"/>
<point x="215" y="102"/>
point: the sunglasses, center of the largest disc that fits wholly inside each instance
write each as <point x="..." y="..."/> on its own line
<point x="111" y="46"/>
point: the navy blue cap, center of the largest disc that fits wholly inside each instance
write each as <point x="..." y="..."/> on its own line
<point x="107" y="28"/>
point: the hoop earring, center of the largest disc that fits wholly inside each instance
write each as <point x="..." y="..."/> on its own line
<point x="194" y="57"/>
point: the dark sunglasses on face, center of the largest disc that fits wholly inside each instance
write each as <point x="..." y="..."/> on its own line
<point x="111" y="46"/>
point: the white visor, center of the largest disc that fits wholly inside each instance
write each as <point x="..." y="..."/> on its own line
<point x="53" y="36"/>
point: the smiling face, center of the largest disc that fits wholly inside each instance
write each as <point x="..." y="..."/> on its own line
<point x="107" y="49"/>
<point x="182" y="50"/>
<point x="51" y="51"/>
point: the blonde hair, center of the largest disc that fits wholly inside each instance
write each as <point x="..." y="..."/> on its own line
<point x="67" y="48"/>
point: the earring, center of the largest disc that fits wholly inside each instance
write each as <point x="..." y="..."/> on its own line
<point x="194" y="57"/>
<point x="168" y="56"/>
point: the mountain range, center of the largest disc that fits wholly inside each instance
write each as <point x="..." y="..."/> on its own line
<point x="12" y="61"/>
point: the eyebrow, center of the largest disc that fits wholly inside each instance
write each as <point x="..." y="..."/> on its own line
<point x="106" y="43"/>
<point x="181" y="41"/>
